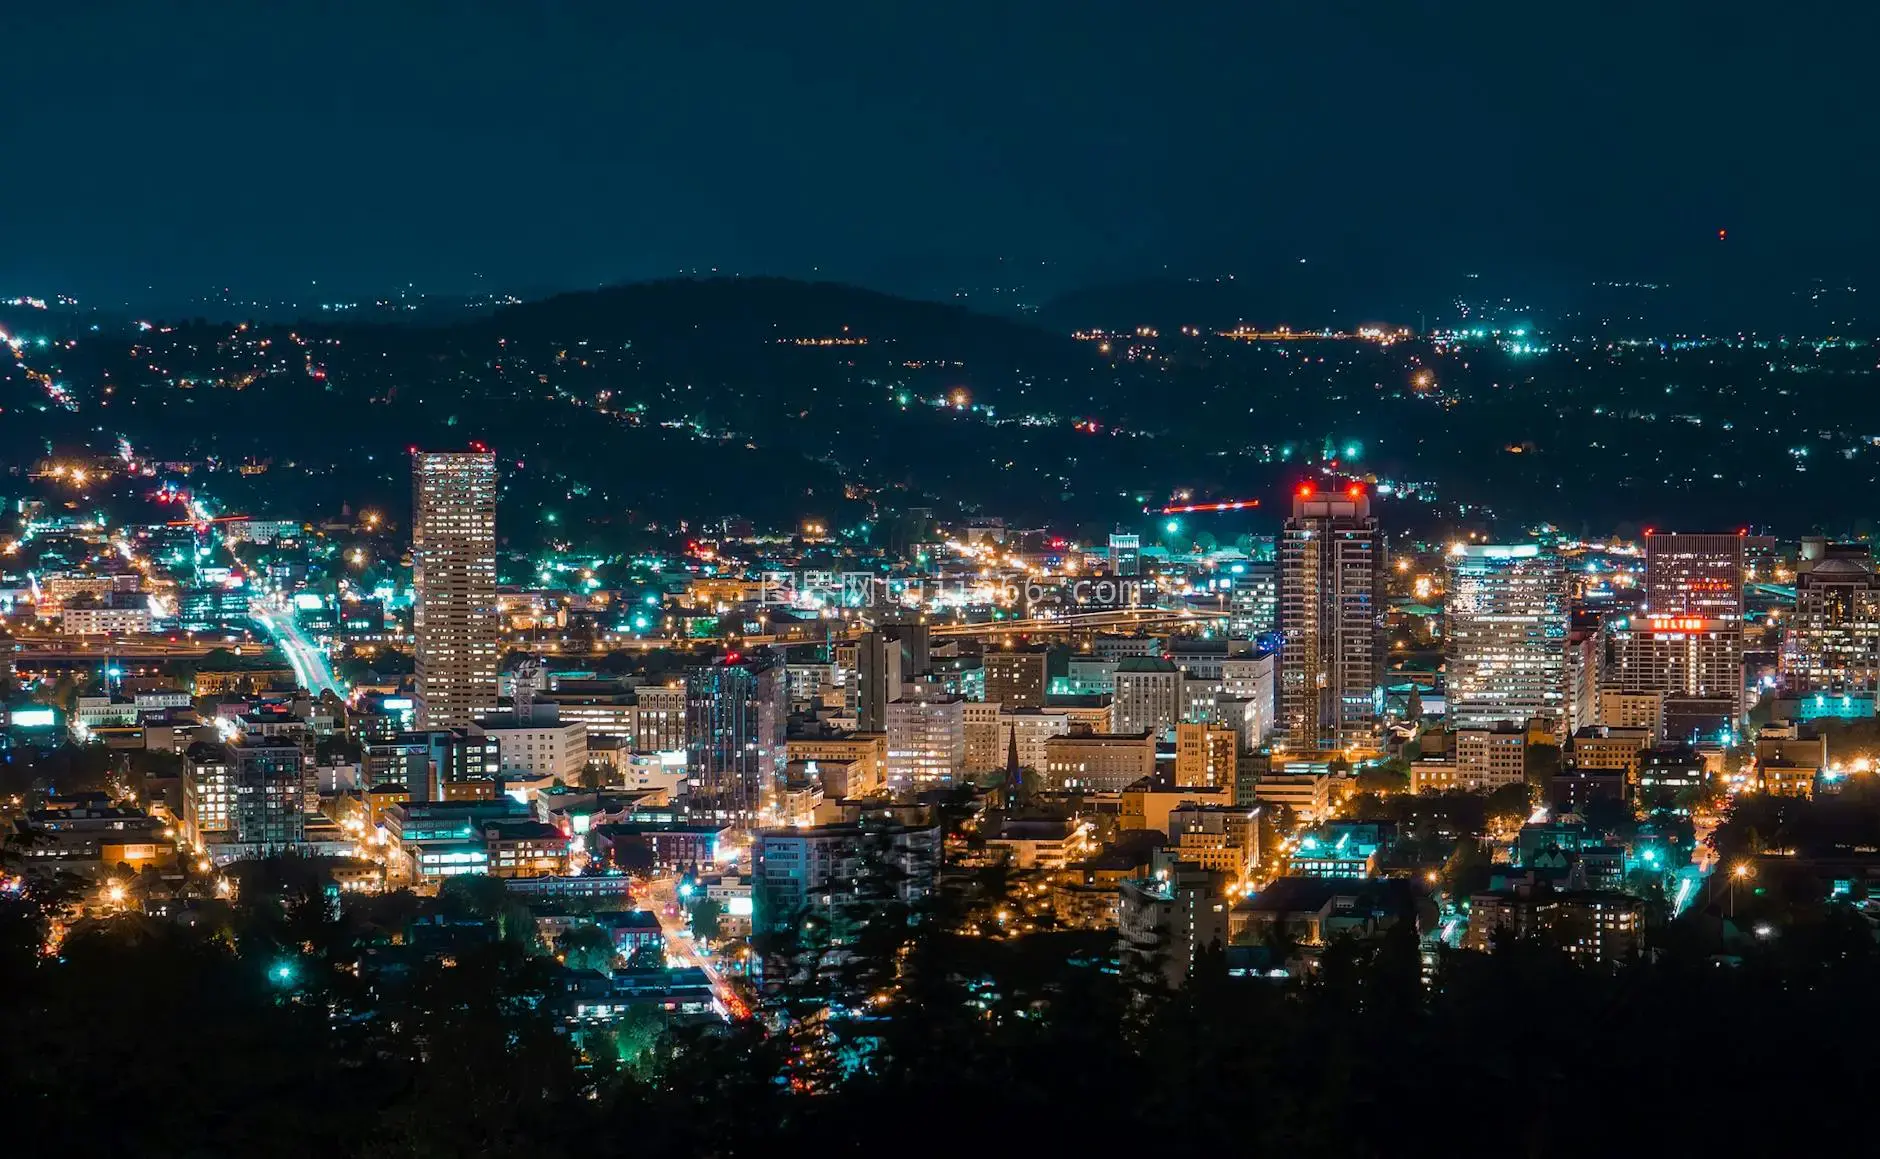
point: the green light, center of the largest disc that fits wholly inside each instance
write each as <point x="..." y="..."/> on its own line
<point x="1352" y="450"/>
<point x="1172" y="526"/>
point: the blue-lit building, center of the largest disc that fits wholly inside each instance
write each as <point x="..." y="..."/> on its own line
<point x="735" y="717"/>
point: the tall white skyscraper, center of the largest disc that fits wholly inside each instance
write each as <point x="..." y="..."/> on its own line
<point x="1504" y="637"/>
<point x="1331" y="621"/>
<point x="453" y="574"/>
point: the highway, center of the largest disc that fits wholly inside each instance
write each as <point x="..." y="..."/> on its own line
<point x="303" y="655"/>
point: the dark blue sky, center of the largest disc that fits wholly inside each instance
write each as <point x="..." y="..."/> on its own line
<point x="180" y="146"/>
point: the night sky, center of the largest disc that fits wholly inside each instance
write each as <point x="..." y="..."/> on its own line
<point x="164" y="148"/>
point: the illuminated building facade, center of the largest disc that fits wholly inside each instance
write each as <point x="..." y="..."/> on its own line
<point x="735" y="715"/>
<point x="1504" y="648"/>
<point x="1696" y="663"/>
<point x="1832" y="643"/>
<point x="1016" y="679"/>
<point x="1694" y="575"/>
<point x="453" y="576"/>
<point x="1331" y="618"/>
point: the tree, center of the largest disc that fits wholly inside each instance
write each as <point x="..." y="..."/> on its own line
<point x="1510" y="803"/>
<point x="585" y="946"/>
<point x="705" y="916"/>
<point x="1384" y="777"/>
<point x="1541" y="763"/>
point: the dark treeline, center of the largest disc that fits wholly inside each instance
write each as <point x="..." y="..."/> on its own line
<point x="268" y="1028"/>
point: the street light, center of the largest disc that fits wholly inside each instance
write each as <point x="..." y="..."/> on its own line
<point x="1737" y="873"/>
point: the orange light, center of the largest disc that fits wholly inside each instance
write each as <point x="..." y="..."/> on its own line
<point x="1305" y="489"/>
<point x="1355" y="491"/>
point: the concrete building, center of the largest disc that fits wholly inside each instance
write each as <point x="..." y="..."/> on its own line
<point x="1331" y="621"/>
<point x="864" y="756"/>
<point x="1685" y="658"/>
<point x="1488" y="758"/>
<point x="1148" y="695"/>
<point x="1164" y="922"/>
<point x="1831" y="643"/>
<point x="453" y="576"/>
<point x="828" y="869"/>
<point x="985" y="749"/>
<point x="1205" y="754"/>
<point x="1098" y="762"/>
<point x="1621" y="709"/>
<point x="1504" y="637"/>
<point x="1017" y="678"/>
<point x="537" y="744"/>
<point x="926" y="739"/>
<point x="1030" y="729"/>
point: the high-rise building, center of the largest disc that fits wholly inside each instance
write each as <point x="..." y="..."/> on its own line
<point x="1694" y="575"/>
<point x="453" y="576"/>
<point x="1125" y="554"/>
<point x="735" y="717"/>
<point x="1016" y="679"/>
<point x="1504" y="637"/>
<point x="1205" y="755"/>
<point x="926" y="739"/>
<point x="1148" y="695"/>
<point x="207" y="794"/>
<point x="1832" y="642"/>
<point x="1697" y="663"/>
<point x="267" y="782"/>
<point x="1253" y="604"/>
<point x="885" y="659"/>
<point x="1331" y="620"/>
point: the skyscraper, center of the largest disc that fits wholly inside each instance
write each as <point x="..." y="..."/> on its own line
<point x="1331" y="621"/>
<point x="1694" y="625"/>
<point x="1833" y="639"/>
<point x="1505" y="630"/>
<point x="453" y="575"/>
<point x="735" y="716"/>
<point x="1125" y="554"/>
<point x="1694" y="575"/>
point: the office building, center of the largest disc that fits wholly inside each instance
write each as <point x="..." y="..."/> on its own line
<point x="1832" y="640"/>
<point x="1698" y="576"/>
<point x="1016" y="678"/>
<point x="1622" y="709"/>
<point x="1253" y="602"/>
<point x="1125" y="554"/>
<point x="926" y="739"/>
<point x="537" y="742"/>
<point x="1504" y="637"/>
<point x="1489" y="758"/>
<point x="1147" y="697"/>
<point x="985" y="744"/>
<point x="453" y="577"/>
<point x="1205" y="755"/>
<point x="735" y="716"/>
<point x="1098" y="762"/>
<point x="1331" y="620"/>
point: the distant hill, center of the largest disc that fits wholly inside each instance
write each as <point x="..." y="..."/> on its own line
<point x="711" y="317"/>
